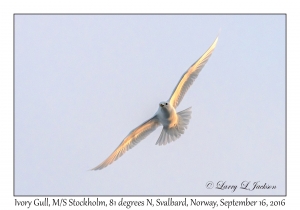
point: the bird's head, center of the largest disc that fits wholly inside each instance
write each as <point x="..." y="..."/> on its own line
<point x="164" y="104"/>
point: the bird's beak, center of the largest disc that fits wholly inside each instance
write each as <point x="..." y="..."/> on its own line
<point x="161" y="105"/>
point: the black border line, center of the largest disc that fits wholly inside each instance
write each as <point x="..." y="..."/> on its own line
<point x="19" y="14"/>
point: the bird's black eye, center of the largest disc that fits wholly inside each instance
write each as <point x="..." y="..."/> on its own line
<point x="166" y="103"/>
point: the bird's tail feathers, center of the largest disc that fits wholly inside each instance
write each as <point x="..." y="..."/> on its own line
<point x="171" y="134"/>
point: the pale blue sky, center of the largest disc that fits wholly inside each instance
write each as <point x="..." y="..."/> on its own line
<point x="82" y="83"/>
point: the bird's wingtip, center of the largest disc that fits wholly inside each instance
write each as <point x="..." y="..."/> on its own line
<point x="217" y="38"/>
<point x="92" y="169"/>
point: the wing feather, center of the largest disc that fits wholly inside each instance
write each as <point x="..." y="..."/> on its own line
<point x="132" y="139"/>
<point x="190" y="75"/>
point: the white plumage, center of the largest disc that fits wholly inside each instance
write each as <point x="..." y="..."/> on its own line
<point x="174" y="124"/>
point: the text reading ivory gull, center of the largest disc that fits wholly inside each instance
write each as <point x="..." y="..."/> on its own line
<point x="174" y="123"/>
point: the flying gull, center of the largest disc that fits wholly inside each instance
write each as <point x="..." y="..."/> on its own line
<point x="174" y="123"/>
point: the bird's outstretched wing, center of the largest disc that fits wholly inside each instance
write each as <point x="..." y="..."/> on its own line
<point x="132" y="139"/>
<point x="189" y="76"/>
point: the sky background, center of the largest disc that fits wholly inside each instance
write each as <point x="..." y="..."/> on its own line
<point x="82" y="83"/>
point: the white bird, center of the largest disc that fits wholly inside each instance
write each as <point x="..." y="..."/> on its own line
<point x="174" y="123"/>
